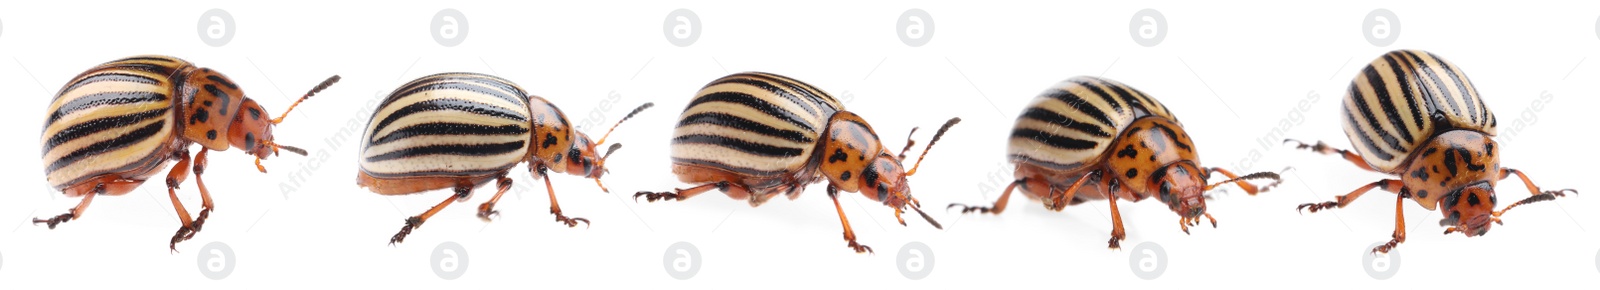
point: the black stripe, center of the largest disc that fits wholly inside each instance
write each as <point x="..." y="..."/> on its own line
<point x="803" y="89"/>
<point x="1422" y="68"/>
<point x="124" y="140"/>
<point x="109" y="77"/>
<point x="1406" y="81"/>
<point x="1095" y="88"/>
<point x="1125" y="96"/>
<point x="1376" y="82"/>
<point x="97" y="125"/>
<point x="145" y="58"/>
<point x="1364" y="136"/>
<point x="740" y="123"/>
<point x="224" y="82"/>
<point x="1466" y="96"/>
<point x="1053" y="140"/>
<point x="452" y="105"/>
<point x="1387" y="100"/>
<point x="451" y="149"/>
<point x="738" y="144"/>
<point x="481" y="79"/>
<point x="723" y="166"/>
<point x="754" y="103"/>
<point x="475" y="88"/>
<point x="157" y="69"/>
<point x="103" y="99"/>
<point x="222" y="97"/>
<point x="1041" y="114"/>
<point x="775" y="90"/>
<point x="429" y="129"/>
<point x="1072" y="100"/>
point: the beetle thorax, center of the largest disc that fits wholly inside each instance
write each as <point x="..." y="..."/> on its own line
<point x="1143" y="153"/>
<point x="1448" y="163"/>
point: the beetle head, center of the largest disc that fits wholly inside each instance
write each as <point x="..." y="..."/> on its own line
<point x="1470" y="209"/>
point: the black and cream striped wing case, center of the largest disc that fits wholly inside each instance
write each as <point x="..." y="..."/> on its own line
<point x="1069" y="125"/>
<point x="115" y="117"/>
<point x="753" y="123"/>
<point x="1402" y="99"/>
<point x="449" y="124"/>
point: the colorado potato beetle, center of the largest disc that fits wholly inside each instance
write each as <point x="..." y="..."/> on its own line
<point x="117" y="124"/>
<point x="1089" y="130"/>
<point x="1416" y="116"/>
<point x="754" y="135"/>
<point x="461" y="130"/>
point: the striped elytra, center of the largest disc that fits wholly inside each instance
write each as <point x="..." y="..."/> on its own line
<point x="1416" y="116"/>
<point x="756" y="135"/>
<point x="116" y="125"/>
<point x="461" y="130"/>
<point x="1089" y="138"/>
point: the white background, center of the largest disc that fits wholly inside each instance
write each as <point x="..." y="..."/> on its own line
<point x="1232" y="72"/>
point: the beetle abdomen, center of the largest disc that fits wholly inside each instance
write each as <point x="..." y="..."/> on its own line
<point x="450" y="124"/>
<point x="1070" y="125"/>
<point x="114" y="118"/>
<point x="752" y="123"/>
<point x="1392" y="106"/>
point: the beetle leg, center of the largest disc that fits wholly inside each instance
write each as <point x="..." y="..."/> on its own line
<point x="999" y="204"/>
<point x="75" y="212"/>
<point x="682" y="193"/>
<point x="1391" y="185"/>
<point x="849" y="234"/>
<point x="486" y="210"/>
<point x="555" y="208"/>
<point x="1329" y="150"/>
<point x="176" y="176"/>
<point x="205" y="195"/>
<point x="1057" y="200"/>
<point x="1538" y="195"/>
<point x="1117" y="233"/>
<point x="463" y="190"/>
<point x="1399" y="235"/>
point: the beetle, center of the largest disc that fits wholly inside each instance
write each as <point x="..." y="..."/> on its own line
<point x="462" y="130"/>
<point x="1120" y="141"/>
<point x="1416" y="116"/>
<point x="119" y="123"/>
<point x="754" y="135"/>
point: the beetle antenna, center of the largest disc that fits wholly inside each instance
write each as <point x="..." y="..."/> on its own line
<point x="909" y="142"/>
<point x="619" y="123"/>
<point x="926" y="217"/>
<point x="936" y="137"/>
<point x="319" y="88"/>
<point x="1253" y="176"/>
<point x="614" y="147"/>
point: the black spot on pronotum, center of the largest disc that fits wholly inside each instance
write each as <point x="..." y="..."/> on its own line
<point x="556" y="159"/>
<point x="211" y="134"/>
<point x="1472" y="200"/>
<point x="206" y="103"/>
<point x="1430" y="151"/>
<point x="1132" y="173"/>
<point x="249" y="141"/>
<point x="844" y="176"/>
<point x="200" y="116"/>
<point x="1450" y="163"/>
<point x="1420" y="174"/>
<point x="1422" y="193"/>
<point x="1488" y="148"/>
<point x="549" y="140"/>
<point x="838" y="155"/>
<point x="1127" y="152"/>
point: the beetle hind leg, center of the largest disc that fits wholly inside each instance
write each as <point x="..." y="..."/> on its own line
<point x="486" y="210"/>
<point x="74" y="212"/>
<point x="999" y="204"/>
<point x="463" y="190"/>
<point x="682" y="193"/>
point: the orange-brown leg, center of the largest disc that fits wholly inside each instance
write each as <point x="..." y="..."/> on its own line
<point x="1399" y="235"/>
<point x="463" y="190"/>
<point x="1058" y="200"/>
<point x="1329" y="150"/>
<point x="1390" y="185"/>
<point x="205" y="195"/>
<point x="176" y="176"/>
<point x="685" y="193"/>
<point x="486" y="210"/>
<point x="1538" y="195"/>
<point x="849" y="234"/>
<point x="74" y="212"/>
<point x="999" y="204"/>
<point x="555" y="208"/>
<point x="1117" y="232"/>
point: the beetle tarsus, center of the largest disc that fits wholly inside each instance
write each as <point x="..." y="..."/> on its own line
<point x="411" y="223"/>
<point x="860" y="248"/>
<point x="966" y="209"/>
<point x="486" y="211"/>
<point x="571" y="222"/>
<point x="52" y="222"/>
<point x="183" y="234"/>
<point x="653" y="196"/>
<point x="1314" y="207"/>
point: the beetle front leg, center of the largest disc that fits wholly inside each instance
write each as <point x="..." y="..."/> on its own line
<point x="555" y="208"/>
<point x="179" y="173"/>
<point x="849" y="234"/>
<point x="205" y="195"/>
